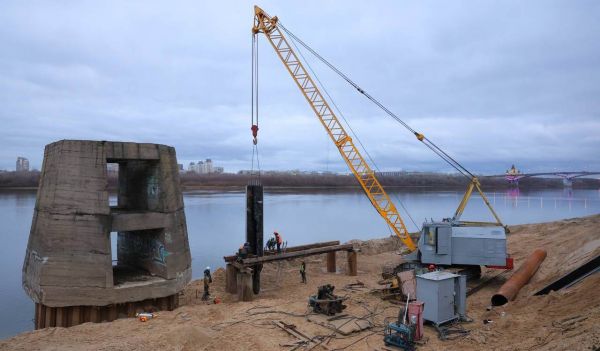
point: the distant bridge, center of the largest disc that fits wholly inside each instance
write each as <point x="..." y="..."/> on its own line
<point x="567" y="177"/>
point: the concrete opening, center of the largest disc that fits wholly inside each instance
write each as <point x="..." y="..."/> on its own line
<point x="113" y="248"/>
<point x="138" y="185"/>
<point x="141" y="255"/>
<point x="112" y="177"/>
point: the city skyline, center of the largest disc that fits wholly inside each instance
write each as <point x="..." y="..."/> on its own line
<point x="185" y="166"/>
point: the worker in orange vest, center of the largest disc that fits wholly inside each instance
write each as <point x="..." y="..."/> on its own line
<point x="279" y="241"/>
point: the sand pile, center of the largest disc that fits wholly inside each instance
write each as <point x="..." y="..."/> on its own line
<point x="566" y="320"/>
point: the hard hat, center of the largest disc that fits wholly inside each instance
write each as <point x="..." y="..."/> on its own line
<point x="208" y="268"/>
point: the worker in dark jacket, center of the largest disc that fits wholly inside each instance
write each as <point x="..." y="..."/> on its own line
<point x="271" y="244"/>
<point x="207" y="281"/>
<point x="243" y="252"/>
<point x="303" y="271"/>
<point x="279" y="241"/>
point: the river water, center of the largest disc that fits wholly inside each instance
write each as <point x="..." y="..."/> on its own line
<point x="216" y="224"/>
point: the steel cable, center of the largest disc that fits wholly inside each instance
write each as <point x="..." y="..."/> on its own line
<point x="322" y="86"/>
<point x="432" y="146"/>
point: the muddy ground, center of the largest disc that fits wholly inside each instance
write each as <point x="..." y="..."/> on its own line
<point x="565" y="320"/>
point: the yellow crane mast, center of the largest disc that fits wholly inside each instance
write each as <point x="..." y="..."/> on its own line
<point x="267" y="25"/>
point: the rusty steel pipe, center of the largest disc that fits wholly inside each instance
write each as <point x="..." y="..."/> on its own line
<point x="509" y="290"/>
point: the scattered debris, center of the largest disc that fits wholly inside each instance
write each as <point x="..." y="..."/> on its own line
<point x="451" y="331"/>
<point x="345" y="325"/>
<point x="304" y="339"/>
<point x="358" y="286"/>
<point x="144" y="316"/>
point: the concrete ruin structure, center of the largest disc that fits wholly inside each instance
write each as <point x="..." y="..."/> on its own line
<point x="69" y="270"/>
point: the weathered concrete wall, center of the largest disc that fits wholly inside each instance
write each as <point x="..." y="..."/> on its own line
<point x="68" y="261"/>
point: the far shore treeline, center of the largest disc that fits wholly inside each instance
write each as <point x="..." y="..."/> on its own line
<point x="321" y="180"/>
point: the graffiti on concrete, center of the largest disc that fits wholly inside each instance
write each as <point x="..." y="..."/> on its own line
<point x="160" y="253"/>
<point x="144" y="248"/>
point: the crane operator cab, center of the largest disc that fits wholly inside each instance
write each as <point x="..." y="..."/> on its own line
<point x="448" y="243"/>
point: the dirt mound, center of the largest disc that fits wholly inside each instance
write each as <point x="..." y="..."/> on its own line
<point x="565" y="320"/>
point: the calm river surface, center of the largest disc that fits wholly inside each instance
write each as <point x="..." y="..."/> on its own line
<point x="216" y="224"/>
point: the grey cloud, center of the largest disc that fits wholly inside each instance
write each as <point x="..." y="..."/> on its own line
<point x="494" y="83"/>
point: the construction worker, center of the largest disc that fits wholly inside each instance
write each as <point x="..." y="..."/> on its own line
<point x="303" y="272"/>
<point x="271" y="243"/>
<point x="279" y="241"/>
<point x="207" y="281"/>
<point x="243" y="251"/>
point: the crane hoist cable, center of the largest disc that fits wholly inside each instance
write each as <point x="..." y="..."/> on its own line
<point x="254" y="107"/>
<point x="430" y="144"/>
<point x="474" y="181"/>
<point x="354" y="134"/>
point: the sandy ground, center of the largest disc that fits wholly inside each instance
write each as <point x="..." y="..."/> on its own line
<point x="566" y="320"/>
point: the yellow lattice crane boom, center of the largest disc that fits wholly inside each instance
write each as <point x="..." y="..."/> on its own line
<point x="267" y="25"/>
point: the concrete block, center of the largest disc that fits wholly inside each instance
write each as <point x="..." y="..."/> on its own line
<point x="68" y="261"/>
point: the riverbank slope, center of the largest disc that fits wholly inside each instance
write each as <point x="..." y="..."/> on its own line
<point x="565" y="320"/>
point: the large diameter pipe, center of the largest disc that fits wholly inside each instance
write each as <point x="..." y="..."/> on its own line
<point x="510" y="289"/>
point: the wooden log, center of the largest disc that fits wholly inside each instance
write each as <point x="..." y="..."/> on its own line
<point x="50" y="317"/>
<point x="95" y="315"/>
<point x="289" y="255"/>
<point x="40" y="322"/>
<point x="244" y="285"/>
<point x="231" y="278"/>
<point x="331" y="267"/>
<point x="163" y="303"/>
<point x="75" y="316"/>
<point x="61" y="316"/>
<point x="131" y="309"/>
<point x="290" y="249"/>
<point x="352" y="263"/>
<point x="173" y="302"/>
<point x="112" y="313"/>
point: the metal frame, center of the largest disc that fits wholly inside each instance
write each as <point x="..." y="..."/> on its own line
<point x="463" y="203"/>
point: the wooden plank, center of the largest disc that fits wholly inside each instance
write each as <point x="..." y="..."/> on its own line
<point x="303" y="253"/>
<point x="289" y="249"/>
<point x="230" y="279"/>
<point x="244" y="286"/>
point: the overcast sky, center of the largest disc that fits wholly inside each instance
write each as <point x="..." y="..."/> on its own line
<point x="492" y="83"/>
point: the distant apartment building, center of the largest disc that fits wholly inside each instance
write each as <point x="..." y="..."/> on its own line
<point x="22" y="164"/>
<point x="204" y="167"/>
